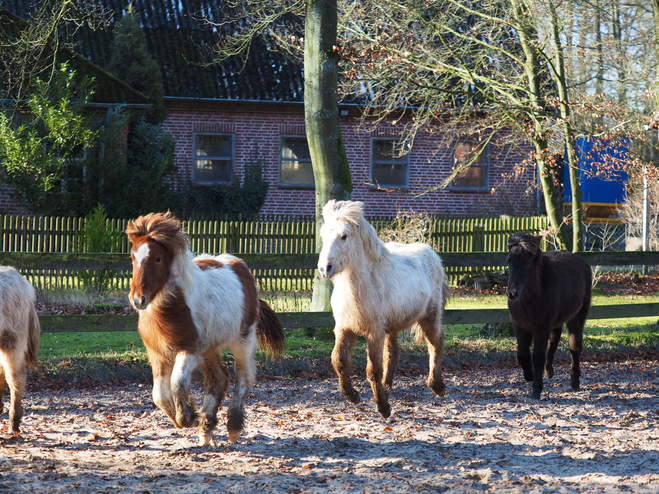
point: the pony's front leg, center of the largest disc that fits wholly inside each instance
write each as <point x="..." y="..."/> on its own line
<point x="539" y="359"/>
<point x="216" y="381"/>
<point x="341" y="360"/>
<point x="245" y="370"/>
<point x="524" y="339"/>
<point x="162" y="387"/>
<point x="374" y="372"/>
<point x="184" y="366"/>
<point x="391" y="355"/>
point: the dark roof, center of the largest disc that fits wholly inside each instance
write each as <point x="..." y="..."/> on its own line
<point x="181" y="42"/>
<point x="108" y="89"/>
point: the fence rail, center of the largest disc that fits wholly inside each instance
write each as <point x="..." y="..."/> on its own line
<point x="112" y="323"/>
<point x="56" y="324"/>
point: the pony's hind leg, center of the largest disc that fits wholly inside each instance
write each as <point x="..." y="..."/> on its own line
<point x="554" y="339"/>
<point x="216" y="381"/>
<point x="391" y="355"/>
<point x="16" y="376"/>
<point x="184" y="366"/>
<point x="575" y="342"/>
<point x="341" y="360"/>
<point x="374" y="374"/>
<point x="245" y="370"/>
<point x="434" y="335"/>
<point x="3" y="384"/>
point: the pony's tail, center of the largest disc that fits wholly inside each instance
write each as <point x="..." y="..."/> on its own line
<point x="446" y="291"/>
<point x="33" y="340"/>
<point x="270" y="331"/>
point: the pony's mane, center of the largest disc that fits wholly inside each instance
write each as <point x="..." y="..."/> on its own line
<point x="353" y="212"/>
<point x="350" y="211"/>
<point x="530" y="243"/>
<point x="162" y="228"/>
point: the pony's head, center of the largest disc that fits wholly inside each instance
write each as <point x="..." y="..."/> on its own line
<point x="344" y="234"/>
<point x="524" y="259"/>
<point x="157" y="241"/>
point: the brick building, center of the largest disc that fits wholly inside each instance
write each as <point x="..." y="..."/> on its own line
<point x="219" y="113"/>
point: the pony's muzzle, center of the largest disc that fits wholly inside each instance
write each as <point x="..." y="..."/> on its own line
<point x="326" y="270"/>
<point x="138" y="302"/>
<point x="512" y="294"/>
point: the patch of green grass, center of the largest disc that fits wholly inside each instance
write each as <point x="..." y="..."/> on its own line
<point x="57" y="345"/>
<point x="111" y="355"/>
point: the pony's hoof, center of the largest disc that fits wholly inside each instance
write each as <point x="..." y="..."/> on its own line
<point x="439" y="388"/>
<point x="205" y="438"/>
<point x="354" y="398"/>
<point x="575" y="386"/>
<point x="234" y="436"/>
<point x="187" y="420"/>
<point x="550" y="372"/>
<point x="385" y="410"/>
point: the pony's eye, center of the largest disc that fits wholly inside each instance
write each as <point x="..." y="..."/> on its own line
<point x="344" y="236"/>
<point x="158" y="259"/>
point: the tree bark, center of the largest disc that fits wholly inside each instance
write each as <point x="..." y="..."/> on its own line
<point x="321" y="111"/>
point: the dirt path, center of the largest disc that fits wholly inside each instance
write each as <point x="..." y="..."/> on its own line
<point x="302" y="436"/>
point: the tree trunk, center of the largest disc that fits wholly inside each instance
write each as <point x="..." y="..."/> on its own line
<point x="538" y="133"/>
<point x="560" y="78"/>
<point x="655" y="14"/>
<point x="321" y="112"/>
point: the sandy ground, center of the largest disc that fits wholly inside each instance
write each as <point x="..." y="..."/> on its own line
<point x="487" y="434"/>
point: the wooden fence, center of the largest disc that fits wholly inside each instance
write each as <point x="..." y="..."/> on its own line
<point x="267" y="236"/>
<point x="23" y="260"/>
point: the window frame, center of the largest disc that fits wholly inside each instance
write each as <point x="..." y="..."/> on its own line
<point x="196" y="158"/>
<point x="280" y="160"/>
<point x="374" y="184"/>
<point x="469" y="188"/>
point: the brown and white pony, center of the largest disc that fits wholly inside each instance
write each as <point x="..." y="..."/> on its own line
<point x="20" y="334"/>
<point x="190" y="309"/>
<point x="380" y="290"/>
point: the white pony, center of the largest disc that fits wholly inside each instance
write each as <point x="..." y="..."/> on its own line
<point x="20" y="334"/>
<point x="380" y="290"/>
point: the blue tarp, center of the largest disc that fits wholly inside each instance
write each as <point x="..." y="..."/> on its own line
<point x="609" y="189"/>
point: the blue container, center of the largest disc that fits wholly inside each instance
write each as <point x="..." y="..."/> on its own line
<point x="599" y="190"/>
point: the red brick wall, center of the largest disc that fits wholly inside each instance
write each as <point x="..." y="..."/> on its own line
<point x="429" y="165"/>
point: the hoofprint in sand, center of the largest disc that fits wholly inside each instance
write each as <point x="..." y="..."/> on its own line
<point x="302" y="436"/>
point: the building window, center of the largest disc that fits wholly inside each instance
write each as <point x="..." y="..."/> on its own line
<point x="388" y="168"/>
<point x="213" y="158"/>
<point x="295" y="162"/>
<point x="476" y="156"/>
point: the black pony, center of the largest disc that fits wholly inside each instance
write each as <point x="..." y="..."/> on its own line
<point x="544" y="292"/>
